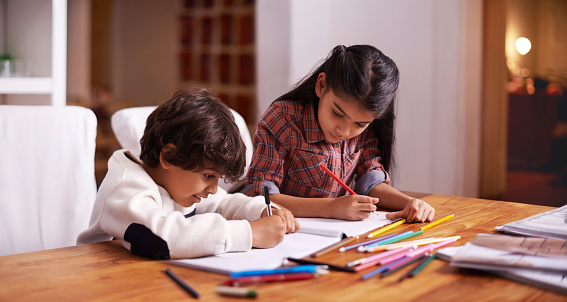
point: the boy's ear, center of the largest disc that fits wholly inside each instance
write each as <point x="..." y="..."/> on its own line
<point x="320" y="85"/>
<point x="168" y="148"/>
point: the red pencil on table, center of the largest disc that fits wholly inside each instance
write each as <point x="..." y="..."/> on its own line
<point x="337" y="179"/>
<point x="269" y="278"/>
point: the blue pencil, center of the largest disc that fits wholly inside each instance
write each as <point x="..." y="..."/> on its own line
<point x="406" y="261"/>
<point x="283" y="270"/>
<point x="346" y="248"/>
<point x="380" y="270"/>
<point x="391" y="240"/>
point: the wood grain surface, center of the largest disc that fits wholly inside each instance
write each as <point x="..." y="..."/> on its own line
<point x="106" y="271"/>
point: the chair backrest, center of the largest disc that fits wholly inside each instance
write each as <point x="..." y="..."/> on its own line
<point x="47" y="180"/>
<point x="128" y="126"/>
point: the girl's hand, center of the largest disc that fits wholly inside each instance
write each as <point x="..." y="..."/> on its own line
<point x="353" y="207"/>
<point x="291" y="225"/>
<point x="415" y="210"/>
<point x="267" y="232"/>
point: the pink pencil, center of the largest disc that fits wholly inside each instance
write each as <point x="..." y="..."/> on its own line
<point x="416" y="252"/>
<point x="379" y="256"/>
<point x="368" y="264"/>
<point x="337" y="179"/>
<point x="431" y="247"/>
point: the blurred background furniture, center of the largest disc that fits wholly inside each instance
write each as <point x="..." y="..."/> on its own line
<point x="47" y="181"/>
<point x="531" y="122"/>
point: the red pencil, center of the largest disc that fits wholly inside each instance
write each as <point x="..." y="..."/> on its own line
<point x="337" y="179"/>
<point x="269" y="278"/>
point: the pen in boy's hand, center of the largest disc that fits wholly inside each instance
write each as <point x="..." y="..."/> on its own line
<point x="267" y="198"/>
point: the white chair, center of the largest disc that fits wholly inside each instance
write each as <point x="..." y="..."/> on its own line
<point x="128" y="126"/>
<point x="47" y="180"/>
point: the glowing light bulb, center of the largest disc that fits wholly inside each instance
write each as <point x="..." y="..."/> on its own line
<point x="523" y="45"/>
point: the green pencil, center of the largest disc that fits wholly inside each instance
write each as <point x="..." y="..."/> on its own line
<point x="417" y="270"/>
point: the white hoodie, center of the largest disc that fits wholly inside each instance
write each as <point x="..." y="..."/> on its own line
<point x="132" y="208"/>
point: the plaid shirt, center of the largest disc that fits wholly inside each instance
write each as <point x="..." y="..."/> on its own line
<point x="289" y="146"/>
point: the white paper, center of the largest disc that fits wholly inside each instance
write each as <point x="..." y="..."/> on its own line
<point x="473" y="256"/>
<point x="296" y="245"/>
<point x="337" y="227"/>
<point x="551" y="224"/>
<point x="555" y="281"/>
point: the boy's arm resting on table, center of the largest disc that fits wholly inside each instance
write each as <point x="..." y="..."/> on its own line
<point x="144" y="227"/>
<point x="413" y="209"/>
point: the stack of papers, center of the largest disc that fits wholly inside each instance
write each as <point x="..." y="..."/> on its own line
<point x="551" y="224"/>
<point x="533" y="260"/>
<point x="537" y="257"/>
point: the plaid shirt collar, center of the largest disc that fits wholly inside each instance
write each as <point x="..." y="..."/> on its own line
<point x="313" y="132"/>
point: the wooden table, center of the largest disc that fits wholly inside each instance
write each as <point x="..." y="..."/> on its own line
<point x="106" y="271"/>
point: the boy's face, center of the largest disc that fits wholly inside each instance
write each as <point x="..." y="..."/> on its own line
<point x="339" y="119"/>
<point x="188" y="187"/>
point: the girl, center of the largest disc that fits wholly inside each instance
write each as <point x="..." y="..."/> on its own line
<point x="341" y="116"/>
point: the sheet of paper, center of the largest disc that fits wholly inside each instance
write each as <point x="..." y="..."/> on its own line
<point x="322" y="226"/>
<point x="554" y="281"/>
<point x="551" y="224"/>
<point x="296" y="245"/>
<point x="536" y="246"/>
<point x="478" y="257"/>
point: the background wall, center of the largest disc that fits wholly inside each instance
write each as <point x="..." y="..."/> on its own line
<point x="143" y="59"/>
<point x="437" y="47"/>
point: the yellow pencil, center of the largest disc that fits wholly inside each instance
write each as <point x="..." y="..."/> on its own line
<point x="437" y="222"/>
<point x="386" y="228"/>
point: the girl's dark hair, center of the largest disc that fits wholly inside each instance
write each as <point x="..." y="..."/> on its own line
<point x="365" y="74"/>
<point x="201" y="128"/>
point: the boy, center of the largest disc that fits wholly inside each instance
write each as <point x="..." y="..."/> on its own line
<point x="159" y="206"/>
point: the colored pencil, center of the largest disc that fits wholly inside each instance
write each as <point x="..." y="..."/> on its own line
<point x="337" y="179"/>
<point x="410" y="271"/>
<point x="346" y="248"/>
<point x="269" y="278"/>
<point x="386" y="228"/>
<point x="431" y="247"/>
<point x="331" y="266"/>
<point x="236" y="291"/>
<point x="419" y="268"/>
<point x="334" y="246"/>
<point x="377" y="256"/>
<point x="418" y="242"/>
<point x="182" y="283"/>
<point x="283" y="270"/>
<point x="396" y="238"/>
<point x="437" y="222"/>
<point x="405" y="262"/>
<point x="377" y="271"/>
<point x="417" y="252"/>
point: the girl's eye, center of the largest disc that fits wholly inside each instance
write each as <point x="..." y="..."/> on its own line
<point x="209" y="176"/>
<point x="337" y="114"/>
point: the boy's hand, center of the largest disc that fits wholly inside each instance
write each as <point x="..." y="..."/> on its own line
<point x="353" y="207"/>
<point x="267" y="232"/>
<point x="291" y="225"/>
<point x="415" y="210"/>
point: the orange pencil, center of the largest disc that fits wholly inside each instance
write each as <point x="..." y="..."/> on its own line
<point x="337" y="179"/>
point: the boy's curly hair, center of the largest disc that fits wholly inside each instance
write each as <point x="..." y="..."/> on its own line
<point x="201" y="128"/>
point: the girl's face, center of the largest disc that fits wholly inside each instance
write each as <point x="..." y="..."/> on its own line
<point x="339" y="119"/>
